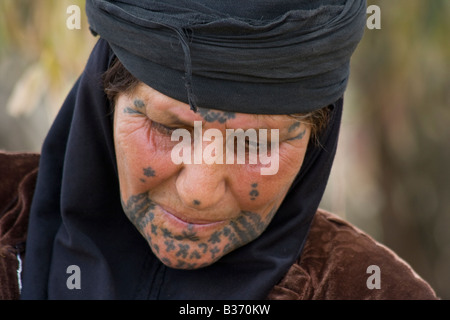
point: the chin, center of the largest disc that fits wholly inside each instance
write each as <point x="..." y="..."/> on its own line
<point x="174" y="261"/>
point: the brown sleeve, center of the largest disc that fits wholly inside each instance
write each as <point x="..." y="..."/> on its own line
<point x="18" y="172"/>
<point x="341" y="262"/>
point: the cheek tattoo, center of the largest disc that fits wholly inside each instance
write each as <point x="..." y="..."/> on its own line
<point x="254" y="192"/>
<point x="149" y="172"/>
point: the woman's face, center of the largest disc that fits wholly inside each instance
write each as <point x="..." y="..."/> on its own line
<point x="192" y="214"/>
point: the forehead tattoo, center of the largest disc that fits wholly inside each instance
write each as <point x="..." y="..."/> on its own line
<point x="211" y="116"/>
<point x="138" y="103"/>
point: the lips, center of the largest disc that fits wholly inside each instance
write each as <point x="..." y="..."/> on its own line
<point x="184" y="219"/>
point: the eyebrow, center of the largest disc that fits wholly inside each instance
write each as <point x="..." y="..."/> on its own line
<point x="174" y="119"/>
<point x="292" y="128"/>
<point x="299" y="136"/>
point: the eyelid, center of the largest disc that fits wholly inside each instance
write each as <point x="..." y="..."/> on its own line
<point x="131" y="110"/>
<point x="162" y="128"/>
<point x="299" y="136"/>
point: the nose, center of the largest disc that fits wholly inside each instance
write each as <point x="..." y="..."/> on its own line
<point x="201" y="186"/>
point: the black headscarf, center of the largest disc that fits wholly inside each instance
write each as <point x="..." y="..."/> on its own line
<point x="77" y="217"/>
<point x="263" y="56"/>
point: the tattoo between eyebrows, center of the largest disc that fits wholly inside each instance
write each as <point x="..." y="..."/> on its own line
<point x="211" y="116"/>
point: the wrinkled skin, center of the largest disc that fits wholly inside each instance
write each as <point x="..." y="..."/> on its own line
<point x="193" y="214"/>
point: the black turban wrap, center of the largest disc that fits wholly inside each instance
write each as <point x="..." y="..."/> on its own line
<point x="266" y="57"/>
<point x="77" y="217"/>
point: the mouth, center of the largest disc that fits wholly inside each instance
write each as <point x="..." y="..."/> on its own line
<point x="178" y="217"/>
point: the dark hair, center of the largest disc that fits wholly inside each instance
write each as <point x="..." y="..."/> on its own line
<point x="117" y="79"/>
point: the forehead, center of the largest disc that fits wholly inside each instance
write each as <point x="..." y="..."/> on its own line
<point x="173" y="110"/>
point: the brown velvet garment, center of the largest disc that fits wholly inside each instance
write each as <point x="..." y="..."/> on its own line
<point x="18" y="172"/>
<point x="333" y="264"/>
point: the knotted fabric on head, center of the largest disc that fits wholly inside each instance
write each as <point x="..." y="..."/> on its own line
<point x="266" y="57"/>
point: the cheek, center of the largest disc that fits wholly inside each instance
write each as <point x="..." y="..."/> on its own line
<point x="256" y="191"/>
<point x="291" y="160"/>
<point x="143" y="158"/>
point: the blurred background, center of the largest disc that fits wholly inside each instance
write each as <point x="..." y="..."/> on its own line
<point x="391" y="176"/>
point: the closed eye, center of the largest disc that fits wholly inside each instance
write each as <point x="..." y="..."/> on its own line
<point x="162" y="128"/>
<point x="130" y="110"/>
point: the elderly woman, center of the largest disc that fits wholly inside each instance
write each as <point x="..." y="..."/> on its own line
<point x="115" y="205"/>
